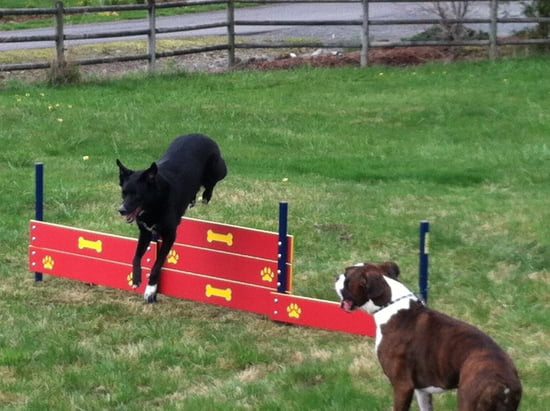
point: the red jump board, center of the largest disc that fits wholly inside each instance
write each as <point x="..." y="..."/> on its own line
<point x="320" y="314"/>
<point x="240" y="242"/>
<point x="87" y="243"/>
<point x="212" y="290"/>
<point x="224" y="265"/>
<point x="106" y="260"/>
<point x="82" y="268"/>
<point x="231" y="238"/>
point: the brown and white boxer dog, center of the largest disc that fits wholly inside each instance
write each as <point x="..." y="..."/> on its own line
<point x="424" y="351"/>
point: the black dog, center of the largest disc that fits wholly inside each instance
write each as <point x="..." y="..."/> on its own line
<point x="158" y="196"/>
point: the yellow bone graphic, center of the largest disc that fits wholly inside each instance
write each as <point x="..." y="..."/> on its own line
<point x="222" y="238"/>
<point x="218" y="292"/>
<point x="93" y="245"/>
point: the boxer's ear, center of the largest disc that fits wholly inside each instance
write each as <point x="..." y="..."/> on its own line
<point x="374" y="285"/>
<point x="392" y="269"/>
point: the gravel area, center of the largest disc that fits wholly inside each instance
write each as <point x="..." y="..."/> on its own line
<point x="257" y="59"/>
<point x="266" y="58"/>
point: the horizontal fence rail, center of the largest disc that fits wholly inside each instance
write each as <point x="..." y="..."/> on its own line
<point x="60" y="35"/>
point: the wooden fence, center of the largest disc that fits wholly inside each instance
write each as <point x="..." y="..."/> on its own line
<point x="363" y="24"/>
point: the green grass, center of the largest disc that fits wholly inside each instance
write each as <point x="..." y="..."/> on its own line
<point x="362" y="155"/>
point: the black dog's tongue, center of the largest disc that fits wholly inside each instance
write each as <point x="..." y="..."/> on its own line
<point x="132" y="216"/>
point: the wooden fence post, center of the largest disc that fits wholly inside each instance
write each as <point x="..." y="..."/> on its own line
<point x="59" y="35"/>
<point x="152" y="36"/>
<point x="231" y="33"/>
<point x="365" y="35"/>
<point x="493" y="30"/>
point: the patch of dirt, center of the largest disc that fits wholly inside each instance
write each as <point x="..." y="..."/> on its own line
<point x="267" y="59"/>
<point x="398" y="56"/>
<point x="22" y="18"/>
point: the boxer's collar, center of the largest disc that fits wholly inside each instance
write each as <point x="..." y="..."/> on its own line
<point x="394" y="301"/>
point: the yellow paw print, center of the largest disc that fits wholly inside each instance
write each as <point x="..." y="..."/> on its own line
<point x="173" y="257"/>
<point x="267" y="274"/>
<point x="48" y="262"/>
<point x="294" y="310"/>
<point x="130" y="279"/>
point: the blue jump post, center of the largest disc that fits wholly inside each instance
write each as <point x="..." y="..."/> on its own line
<point x="282" y="278"/>
<point x="38" y="201"/>
<point x="424" y="259"/>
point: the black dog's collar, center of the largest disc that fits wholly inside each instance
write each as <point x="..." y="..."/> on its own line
<point x="151" y="228"/>
<point x="394" y="301"/>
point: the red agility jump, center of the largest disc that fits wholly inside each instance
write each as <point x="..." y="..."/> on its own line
<point x="214" y="263"/>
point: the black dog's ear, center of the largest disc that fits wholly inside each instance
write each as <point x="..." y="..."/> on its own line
<point x="392" y="269"/>
<point x="124" y="172"/>
<point x="150" y="174"/>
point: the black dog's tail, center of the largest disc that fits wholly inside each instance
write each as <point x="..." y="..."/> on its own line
<point x="214" y="171"/>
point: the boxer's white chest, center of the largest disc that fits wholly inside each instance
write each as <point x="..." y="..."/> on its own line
<point x="402" y="297"/>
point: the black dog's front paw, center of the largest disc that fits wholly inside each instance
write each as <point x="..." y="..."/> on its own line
<point x="150" y="294"/>
<point x="151" y="299"/>
<point x="136" y="281"/>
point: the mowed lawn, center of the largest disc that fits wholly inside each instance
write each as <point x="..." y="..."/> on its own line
<point x="361" y="156"/>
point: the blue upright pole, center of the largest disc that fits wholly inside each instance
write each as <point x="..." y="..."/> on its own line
<point x="424" y="259"/>
<point x="39" y="201"/>
<point x="282" y="278"/>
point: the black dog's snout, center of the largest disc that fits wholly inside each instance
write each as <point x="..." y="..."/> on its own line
<point x="122" y="210"/>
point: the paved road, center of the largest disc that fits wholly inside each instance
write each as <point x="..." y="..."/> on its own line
<point x="302" y="11"/>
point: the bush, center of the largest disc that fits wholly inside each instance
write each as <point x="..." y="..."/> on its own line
<point x="63" y="73"/>
<point x="437" y="32"/>
<point x="539" y="8"/>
